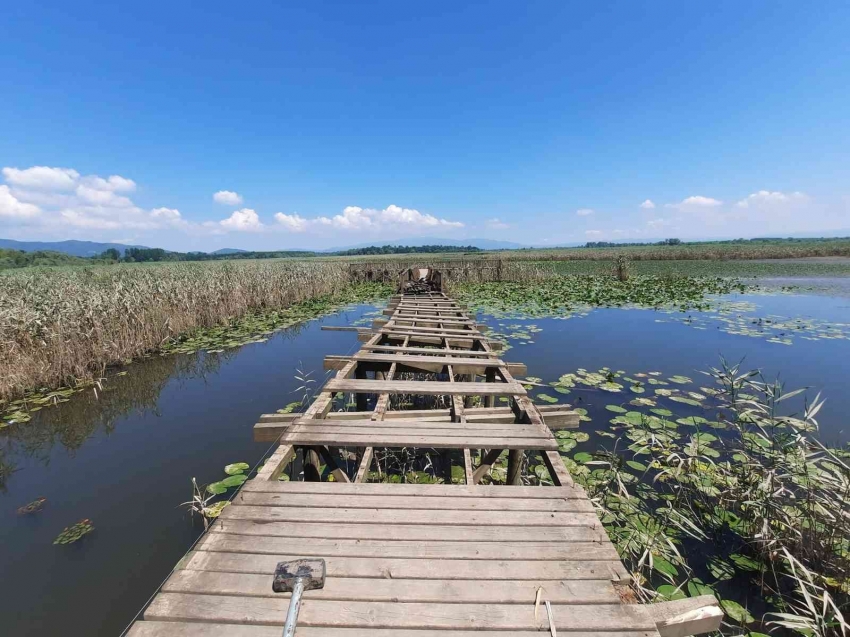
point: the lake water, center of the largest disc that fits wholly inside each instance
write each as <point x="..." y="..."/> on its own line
<point x="125" y="459"/>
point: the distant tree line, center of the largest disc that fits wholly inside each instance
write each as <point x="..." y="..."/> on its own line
<point x="609" y="244"/>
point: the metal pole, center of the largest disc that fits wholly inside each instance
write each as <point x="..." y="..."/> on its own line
<point x="294" y="607"/>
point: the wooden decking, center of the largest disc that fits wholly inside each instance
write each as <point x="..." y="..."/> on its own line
<point x="410" y="560"/>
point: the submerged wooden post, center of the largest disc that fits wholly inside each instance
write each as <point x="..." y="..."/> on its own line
<point x="515" y="466"/>
<point x="312" y="465"/>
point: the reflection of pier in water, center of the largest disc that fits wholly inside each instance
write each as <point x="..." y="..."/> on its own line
<point x="415" y="559"/>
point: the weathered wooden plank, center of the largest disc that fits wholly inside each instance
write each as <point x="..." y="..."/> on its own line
<point x="400" y="549"/>
<point x="429" y="388"/>
<point x="478" y="363"/>
<point x="389" y="501"/>
<point x="385" y="590"/>
<point x="425" y="532"/>
<point x="400" y="569"/>
<point x="318" y="612"/>
<point x="426" y="350"/>
<point x="419" y="490"/>
<point x="365" y="464"/>
<point x="391" y="327"/>
<point x="207" y="629"/>
<point x="407" y="516"/>
<point x="308" y="438"/>
<point x="405" y="425"/>
<point x="276" y="463"/>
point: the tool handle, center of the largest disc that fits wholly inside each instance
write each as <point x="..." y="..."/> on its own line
<point x="294" y="607"/>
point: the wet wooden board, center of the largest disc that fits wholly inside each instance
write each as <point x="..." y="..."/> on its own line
<point x="423" y="387"/>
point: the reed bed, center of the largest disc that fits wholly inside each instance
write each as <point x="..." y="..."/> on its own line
<point x="58" y="326"/>
<point x="62" y="326"/>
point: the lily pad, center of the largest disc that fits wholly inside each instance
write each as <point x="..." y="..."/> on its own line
<point x="582" y="457"/>
<point x="234" y="481"/>
<point x="75" y="532"/>
<point x="670" y="592"/>
<point x="637" y="466"/>
<point x="720" y="569"/>
<point x="33" y="507"/>
<point x="547" y="398"/>
<point x="686" y="401"/>
<point x="236" y="468"/>
<point x="660" y="411"/>
<point x="616" y="409"/>
<point x="744" y="563"/>
<point x="216" y="488"/>
<point x="736" y="611"/>
<point x="680" y="380"/>
<point x="215" y="510"/>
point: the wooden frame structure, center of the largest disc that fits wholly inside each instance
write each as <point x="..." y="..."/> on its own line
<point x="414" y="560"/>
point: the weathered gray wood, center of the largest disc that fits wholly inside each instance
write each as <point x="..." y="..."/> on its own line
<point x="555" y="465"/>
<point x="318" y="612"/>
<point x="420" y="490"/>
<point x="387" y="590"/>
<point x="439" y="503"/>
<point x="425" y="350"/>
<point x="424" y="387"/>
<point x="487" y="462"/>
<point x="528" y="551"/>
<point x="400" y="569"/>
<point x="207" y="629"/>
<point x="276" y="463"/>
<point x="427" y="532"/>
<point x="436" y="426"/>
<point x="407" y="516"/>
<point x="365" y="464"/>
<point x="683" y="617"/>
<point x="308" y="438"/>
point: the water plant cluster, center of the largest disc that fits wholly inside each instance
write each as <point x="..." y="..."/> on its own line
<point x="559" y="294"/>
<point x="717" y="487"/>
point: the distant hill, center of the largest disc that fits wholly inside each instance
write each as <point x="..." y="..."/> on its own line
<point x="228" y="251"/>
<point x="72" y="247"/>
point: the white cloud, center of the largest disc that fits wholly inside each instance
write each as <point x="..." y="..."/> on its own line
<point x="763" y="197"/>
<point x="355" y="218"/>
<point x="647" y="205"/>
<point x="497" y="224"/>
<point x="62" y="199"/>
<point x="167" y="214"/>
<point x="696" y="202"/>
<point x="593" y="233"/>
<point x="293" y="222"/>
<point x="657" y="223"/>
<point x="10" y="206"/>
<point x="42" y="177"/>
<point x="115" y="183"/>
<point x="245" y="220"/>
<point x="584" y="212"/>
<point x="227" y="197"/>
<point x="92" y="195"/>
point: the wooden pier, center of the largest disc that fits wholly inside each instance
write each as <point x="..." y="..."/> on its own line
<point x="415" y="560"/>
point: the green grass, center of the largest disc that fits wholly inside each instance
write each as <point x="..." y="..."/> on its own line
<point x="733" y="268"/>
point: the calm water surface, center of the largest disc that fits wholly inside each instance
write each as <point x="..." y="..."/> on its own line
<point x="125" y="459"/>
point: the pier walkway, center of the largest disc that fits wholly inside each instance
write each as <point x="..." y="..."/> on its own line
<point x="414" y="560"/>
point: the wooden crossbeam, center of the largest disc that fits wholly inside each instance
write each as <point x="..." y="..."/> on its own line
<point x="422" y="387"/>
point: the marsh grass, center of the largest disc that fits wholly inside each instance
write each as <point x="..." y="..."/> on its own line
<point x="767" y="496"/>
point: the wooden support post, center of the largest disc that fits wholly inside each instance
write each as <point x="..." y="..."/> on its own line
<point x="361" y="399"/>
<point x="487" y="462"/>
<point x="515" y="457"/>
<point x="490" y="377"/>
<point x="365" y="464"/>
<point x="312" y="465"/>
<point x="467" y="466"/>
<point x="338" y="473"/>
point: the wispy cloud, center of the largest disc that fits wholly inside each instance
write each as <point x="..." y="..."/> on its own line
<point x="593" y="233"/>
<point x="696" y="202"/>
<point x="766" y="197"/>
<point x="497" y="224"/>
<point x="356" y="219"/>
<point x="584" y="212"/>
<point x="647" y="205"/>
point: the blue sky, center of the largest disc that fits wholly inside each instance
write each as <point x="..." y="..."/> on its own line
<point x="342" y="123"/>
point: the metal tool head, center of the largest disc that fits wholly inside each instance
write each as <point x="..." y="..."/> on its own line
<point x="311" y="572"/>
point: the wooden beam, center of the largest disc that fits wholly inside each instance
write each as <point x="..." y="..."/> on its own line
<point x="365" y="464"/>
<point x="683" y="617"/>
<point x="425" y="387"/>
<point x="487" y="462"/>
